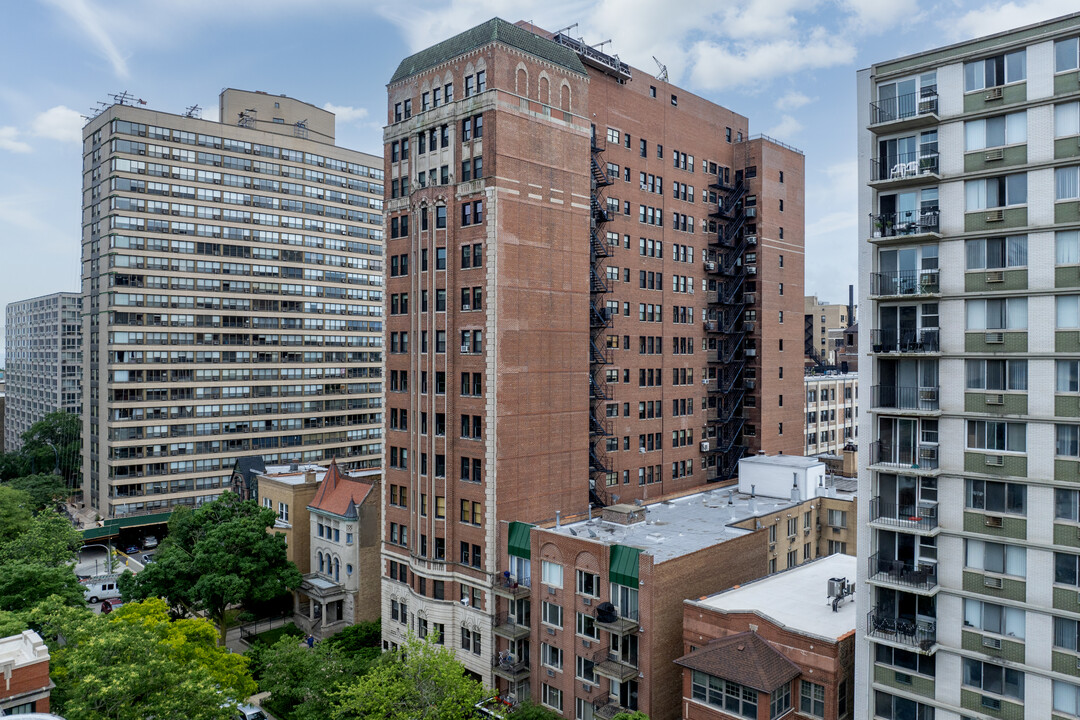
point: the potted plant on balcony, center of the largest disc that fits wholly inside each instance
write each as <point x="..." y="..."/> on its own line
<point x="878" y="224"/>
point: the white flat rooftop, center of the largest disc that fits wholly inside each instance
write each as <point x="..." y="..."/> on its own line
<point x="287" y="475"/>
<point x="680" y="526"/>
<point x="791" y="461"/>
<point x="795" y="598"/>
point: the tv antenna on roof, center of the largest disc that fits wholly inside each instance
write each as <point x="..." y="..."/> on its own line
<point x="662" y="77"/>
<point x="193" y="112"/>
<point x="126" y="98"/>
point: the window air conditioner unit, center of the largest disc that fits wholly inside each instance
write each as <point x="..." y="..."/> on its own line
<point x="994" y="93"/>
<point x="995" y="154"/>
<point x="998" y="399"/>
<point x="551" y="591"/>
<point x="751" y="239"/>
<point x="995" y="338"/>
<point x="992" y="582"/>
<point x="995" y="276"/>
<point x="588" y="601"/>
<point x="704" y="446"/>
<point x="752" y="270"/>
<point x="994" y="521"/>
<point x="927" y="106"/>
<point x="992" y="642"/>
<point x="995" y="216"/>
<point x="995" y="460"/>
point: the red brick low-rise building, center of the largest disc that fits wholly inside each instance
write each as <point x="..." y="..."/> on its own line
<point x="782" y="646"/>
<point x="24" y="674"/>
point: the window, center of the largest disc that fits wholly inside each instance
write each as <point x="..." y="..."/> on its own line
<point x="996" y="374"/>
<point x="586" y="626"/>
<point x="552" y="697"/>
<point x="986" y="193"/>
<point x="584" y="670"/>
<point x="996" y="435"/>
<point x="1065" y="59"/>
<point x="996" y="558"/>
<point x="995" y="679"/>
<point x="1065" y="569"/>
<point x="837" y="518"/>
<point x="728" y="696"/>
<point x="780" y="701"/>
<point x="993" y="618"/>
<point x="1066" y="695"/>
<point x="995" y="71"/>
<point x="995" y="496"/>
<point x="1066" y="119"/>
<point x="283" y="512"/>
<point x="1067" y="183"/>
<point x="551" y="574"/>
<point x="588" y="583"/>
<point x="1066" y="505"/>
<point x="995" y="131"/>
<point x="811" y="699"/>
<point x="996" y="253"/>
<point x="552" y="614"/>
<point x="1003" y="314"/>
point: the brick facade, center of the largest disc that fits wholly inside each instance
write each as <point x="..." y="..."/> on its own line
<point x="24" y="671"/>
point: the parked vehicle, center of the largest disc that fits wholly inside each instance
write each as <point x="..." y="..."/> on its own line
<point x="147" y="558"/>
<point x="132" y="550"/>
<point x="249" y="712"/>
<point x="100" y="587"/>
<point x="149" y="542"/>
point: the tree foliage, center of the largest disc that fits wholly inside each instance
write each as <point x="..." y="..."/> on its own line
<point x="10" y="624"/>
<point x="55" y="440"/>
<point x="301" y="680"/>
<point x="216" y="556"/>
<point x="47" y="539"/>
<point x="419" y="681"/>
<point x="634" y="715"/>
<point x="44" y="489"/>
<point x="23" y="585"/>
<point x="15" y="506"/>
<point x="135" y="663"/>
<point x="532" y="711"/>
<point x="362" y="641"/>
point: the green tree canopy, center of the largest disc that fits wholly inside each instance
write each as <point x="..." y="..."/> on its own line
<point x="532" y="711"/>
<point x="15" y="513"/>
<point x="216" y="556"/>
<point x="55" y="439"/>
<point x="420" y="681"/>
<point x="10" y="624"/>
<point x="135" y="663"/>
<point x="47" y="539"/>
<point x="302" y="681"/>
<point x="635" y="715"/>
<point x="362" y="641"/>
<point x="23" y="585"/>
<point x="44" y="489"/>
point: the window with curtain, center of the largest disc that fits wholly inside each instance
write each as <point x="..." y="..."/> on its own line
<point x="1067" y="183"/>
<point x="996" y="70"/>
<point x="996" y="253"/>
<point x="995" y="131"/>
<point x="996" y="435"/>
<point x="1066" y="697"/>
<point x="1068" y="311"/>
<point x="994" y="679"/>
<point x="996" y="374"/>
<point x="1068" y="376"/>
<point x="997" y="314"/>
<point x="1067" y="245"/>
<point x="996" y="192"/>
<point x="1067" y="119"/>
<point x="1068" y="440"/>
<point x="994" y="618"/>
<point x="1065" y="634"/>
<point x="1065" y="57"/>
<point x="996" y="557"/>
<point x="1065" y="569"/>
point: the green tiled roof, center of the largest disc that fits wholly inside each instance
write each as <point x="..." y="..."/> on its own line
<point x="494" y="30"/>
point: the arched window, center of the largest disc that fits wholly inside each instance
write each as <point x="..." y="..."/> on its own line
<point x="320" y="562"/>
<point x="337" y="569"/>
<point x="348" y="569"/>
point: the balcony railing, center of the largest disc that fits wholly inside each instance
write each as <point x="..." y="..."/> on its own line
<point x="903" y="166"/>
<point x="924" y="457"/>
<point x="512" y="586"/>
<point x="905" y="341"/>
<point x="905" y="106"/>
<point x="906" y="222"/>
<point x="507" y="665"/>
<point x="904" y="398"/>
<point x="901" y="572"/>
<point x="612" y="665"/>
<point x="510" y="626"/>
<point x="917" y="634"/>
<point x="903" y="515"/>
<point x="905" y="282"/>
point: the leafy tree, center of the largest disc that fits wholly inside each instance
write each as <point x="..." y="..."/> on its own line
<point x="420" y="681"/>
<point x="302" y="681"/>
<point x="216" y="556"/>
<point x="135" y="663"/>
<point x="14" y="513"/>
<point x="362" y="641"/>
<point x="635" y="715"/>
<point x="47" y="539"/>
<point x="55" y="441"/>
<point x="13" y="465"/>
<point x="44" y="489"/>
<point x="23" y="585"/>
<point x="10" y="624"/>
<point x="532" y="711"/>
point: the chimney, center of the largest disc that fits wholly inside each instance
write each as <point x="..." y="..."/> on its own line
<point x="753" y="490"/>
<point x="795" y="497"/>
<point x="558" y="518"/>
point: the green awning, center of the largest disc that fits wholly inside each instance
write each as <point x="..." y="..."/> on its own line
<point x="518" y="544"/>
<point x="112" y="526"/>
<point x="623" y="568"/>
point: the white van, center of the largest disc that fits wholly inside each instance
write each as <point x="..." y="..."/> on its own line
<point x="100" y="587"/>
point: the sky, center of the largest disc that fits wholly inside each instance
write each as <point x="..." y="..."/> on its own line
<point x="788" y="65"/>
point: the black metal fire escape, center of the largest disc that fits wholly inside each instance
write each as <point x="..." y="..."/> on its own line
<point x="727" y="274"/>
<point x="600" y="355"/>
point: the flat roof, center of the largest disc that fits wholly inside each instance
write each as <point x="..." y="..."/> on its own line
<point x="25" y="648"/>
<point x="287" y="475"/>
<point x="794" y="461"/>
<point x="796" y="598"/>
<point x="679" y="526"/>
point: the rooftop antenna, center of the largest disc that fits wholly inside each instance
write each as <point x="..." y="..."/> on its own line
<point x="662" y="77"/>
<point x="193" y="112"/>
<point x="126" y="98"/>
<point x="300" y="128"/>
<point x="247" y="118"/>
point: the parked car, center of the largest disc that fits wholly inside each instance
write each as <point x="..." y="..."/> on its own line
<point x="147" y="558"/>
<point x="149" y="542"/>
<point x="249" y="712"/>
<point x="132" y="550"/>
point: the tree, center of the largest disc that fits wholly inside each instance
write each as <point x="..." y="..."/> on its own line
<point x="362" y="641"/>
<point x="635" y="715"/>
<point x="301" y="681"/>
<point x="23" y="585"/>
<point x="135" y="663"/>
<point x="14" y="513"/>
<point x="419" y="681"/>
<point x="44" y="489"/>
<point x="55" y="441"/>
<point x="216" y="556"/>
<point x="531" y="711"/>
<point x="10" y="624"/>
<point x="47" y="539"/>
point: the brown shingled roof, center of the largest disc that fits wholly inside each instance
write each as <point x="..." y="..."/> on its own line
<point x="745" y="658"/>
<point x="339" y="494"/>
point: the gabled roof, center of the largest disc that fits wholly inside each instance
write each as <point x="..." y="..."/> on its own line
<point x="745" y="658"/>
<point x="339" y="494"/>
<point x="249" y="466"/>
<point x="494" y="30"/>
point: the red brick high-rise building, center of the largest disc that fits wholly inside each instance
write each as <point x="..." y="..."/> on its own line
<point x="594" y="296"/>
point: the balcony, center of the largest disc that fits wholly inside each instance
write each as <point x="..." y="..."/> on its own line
<point x="889" y="341"/>
<point x="510" y="586"/>
<point x="904" y="112"/>
<point x="509" y="667"/>
<point x="918" y="635"/>
<point x="510" y="627"/>
<point x="902" y="573"/>
<point x="904" y="398"/>
<point x="904" y="169"/>
<point x="905" y="283"/>
<point x="605" y="708"/>
<point x="904" y="457"/>
<point x="614" y="667"/>
<point x="904" y="516"/>
<point x="616" y="620"/>
<point x="908" y="224"/>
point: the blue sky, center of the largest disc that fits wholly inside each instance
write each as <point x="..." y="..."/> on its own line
<point x="789" y="65"/>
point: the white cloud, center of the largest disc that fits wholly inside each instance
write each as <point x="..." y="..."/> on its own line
<point x="88" y="19"/>
<point x="59" y="123"/>
<point x="345" y="113"/>
<point x="723" y="66"/>
<point x="881" y="16"/>
<point x="785" y="129"/>
<point x="9" y="142"/>
<point x="758" y="18"/>
<point x="996" y="17"/>
<point x="792" y="100"/>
